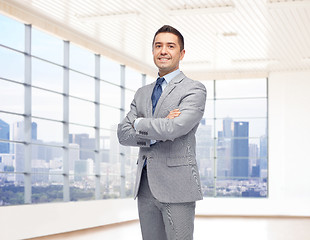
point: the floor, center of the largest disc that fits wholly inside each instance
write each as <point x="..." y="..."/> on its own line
<point x="215" y="228"/>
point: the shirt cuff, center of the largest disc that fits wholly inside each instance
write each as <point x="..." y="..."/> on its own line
<point x="136" y="122"/>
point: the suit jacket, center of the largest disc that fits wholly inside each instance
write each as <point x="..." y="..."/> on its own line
<point x="171" y="163"/>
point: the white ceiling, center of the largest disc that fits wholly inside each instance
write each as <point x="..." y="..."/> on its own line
<point x="222" y="37"/>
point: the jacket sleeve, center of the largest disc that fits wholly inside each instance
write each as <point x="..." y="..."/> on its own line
<point x="126" y="133"/>
<point x="191" y="107"/>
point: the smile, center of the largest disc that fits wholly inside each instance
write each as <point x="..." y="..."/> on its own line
<point x="163" y="59"/>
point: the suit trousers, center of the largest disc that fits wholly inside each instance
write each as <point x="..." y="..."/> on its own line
<point x="163" y="221"/>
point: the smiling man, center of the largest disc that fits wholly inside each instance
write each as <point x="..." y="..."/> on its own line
<point x="162" y="121"/>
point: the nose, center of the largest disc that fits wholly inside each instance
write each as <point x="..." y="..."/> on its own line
<point x="163" y="50"/>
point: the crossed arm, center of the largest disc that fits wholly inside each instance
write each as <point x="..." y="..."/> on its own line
<point x="177" y="123"/>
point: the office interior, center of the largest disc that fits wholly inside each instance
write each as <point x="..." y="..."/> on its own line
<point x="225" y="40"/>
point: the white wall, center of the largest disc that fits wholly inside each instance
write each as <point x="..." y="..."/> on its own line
<point x="289" y="176"/>
<point x="25" y="221"/>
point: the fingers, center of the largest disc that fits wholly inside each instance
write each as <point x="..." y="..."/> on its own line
<point x="173" y="114"/>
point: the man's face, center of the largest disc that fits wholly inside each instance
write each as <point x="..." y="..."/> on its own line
<point x="166" y="53"/>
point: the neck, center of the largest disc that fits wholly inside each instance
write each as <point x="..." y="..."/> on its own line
<point x="163" y="73"/>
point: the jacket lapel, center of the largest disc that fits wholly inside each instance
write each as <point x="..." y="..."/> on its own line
<point x="148" y="105"/>
<point x="169" y="88"/>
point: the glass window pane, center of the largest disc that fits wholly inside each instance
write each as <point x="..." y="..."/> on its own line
<point x="133" y="79"/>
<point x="110" y="94"/>
<point x="50" y="159"/>
<point x="82" y="86"/>
<point x="238" y="157"/>
<point x="81" y="112"/>
<point x="82" y="188"/>
<point x="110" y="71"/>
<point x="242" y="88"/>
<point x="241" y="108"/>
<point x="84" y="140"/>
<point x="49" y="132"/>
<point x="209" y="110"/>
<point x="80" y="131"/>
<point x="106" y="136"/>
<point x="11" y="97"/>
<point x="205" y="129"/>
<point x="110" y="181"/>
<point x="129" y="95"/>
<point x="7" y="122"/>
<point x="81" y="162"/>
<point x="109" y="117"/>
<point x="255" y="127"/>
<point x="80" y="139"/>
<point x="82" y="60"/>
<point x="12" y="192"/>
<point x="11" y="65"/>
<point x="210" y="89"/>
<point x="44" y="189"/>
<point x="18" y="160"/>
<point x="12" y="33"/>
<point x="47" y="46"/>
<point x="7" y="158"/>
<point x="248" y="187"/>
<point x="47" y="75"/>
<point x="150" y="79"/>
<point x="85" y="165"/>
<point x="47" y="104"/>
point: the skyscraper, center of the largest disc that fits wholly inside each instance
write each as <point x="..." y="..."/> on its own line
<point x="19" y="135"/>
<point x="227" y="127"/>
<point x="204" y="144"/>
<point x="240" y="149"/>
<point x="5" y="135"/>
<point x="84" y="142"/>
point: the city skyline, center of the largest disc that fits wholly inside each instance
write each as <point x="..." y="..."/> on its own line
<point x="233" y="156"/>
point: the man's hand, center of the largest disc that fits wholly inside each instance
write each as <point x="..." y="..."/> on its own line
<point x="174" y="113"/>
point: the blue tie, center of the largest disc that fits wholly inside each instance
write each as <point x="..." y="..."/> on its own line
<point x="156" y="92"/>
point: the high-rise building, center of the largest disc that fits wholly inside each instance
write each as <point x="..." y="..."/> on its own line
<point x="204" y="144"/>
<point x="85" y="142"/>
<point x="240" y="149"/>
<point x="227" y="127"/>
<point x="19" y="135"/>
<point x="5" y="135"/>
<point x="263" y="152"/>
<point x="74" y="156"/>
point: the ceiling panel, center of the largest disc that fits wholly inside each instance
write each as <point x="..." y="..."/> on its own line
<point x="221" y="36"/>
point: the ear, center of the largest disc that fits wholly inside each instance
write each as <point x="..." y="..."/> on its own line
<point x="182" y="53"/>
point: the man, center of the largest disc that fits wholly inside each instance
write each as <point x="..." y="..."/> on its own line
<point x="163" y="120"/>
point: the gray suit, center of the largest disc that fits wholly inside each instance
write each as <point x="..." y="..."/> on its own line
<point x="172" y="171"/>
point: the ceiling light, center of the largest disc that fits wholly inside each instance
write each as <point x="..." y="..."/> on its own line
<point x="106" y="17"/>
<point x="254" y="60"/>
<point x="201" y="10"/>
<point x="229" y="34"/>
<point x="196" y="62"/>
<point x="272" y="4"/>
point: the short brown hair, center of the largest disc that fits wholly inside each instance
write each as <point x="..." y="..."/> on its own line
<point x="169" y="29"/>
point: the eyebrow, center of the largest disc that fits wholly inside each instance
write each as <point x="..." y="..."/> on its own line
<point x="167" y="43"/>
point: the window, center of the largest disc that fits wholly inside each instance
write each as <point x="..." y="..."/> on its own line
<point x="58" y="138"/>
<point x="65" y="147"/>
<point x="232" y="139"/>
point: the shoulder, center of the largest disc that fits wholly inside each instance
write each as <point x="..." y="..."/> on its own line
<point x="145" y="88"/>
<point x="194" y="83"/>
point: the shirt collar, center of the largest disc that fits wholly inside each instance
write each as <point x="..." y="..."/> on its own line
<point x="168" y="77"/>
